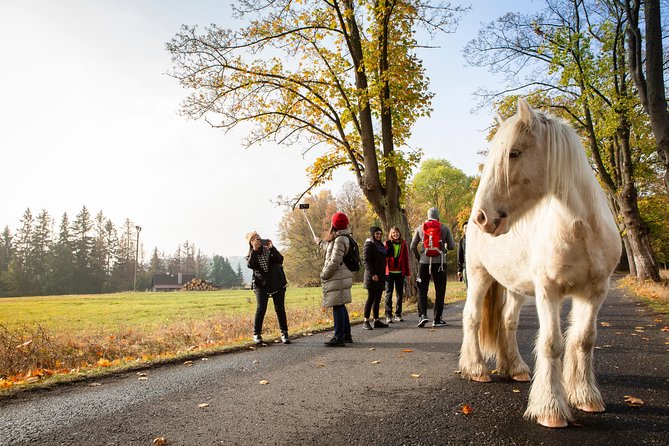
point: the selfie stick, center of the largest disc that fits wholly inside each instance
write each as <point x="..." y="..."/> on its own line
<point x="303" y="207"/>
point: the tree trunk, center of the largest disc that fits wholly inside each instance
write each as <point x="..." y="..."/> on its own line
<point x="650" y="86"/>
<point x="637" y="230"/>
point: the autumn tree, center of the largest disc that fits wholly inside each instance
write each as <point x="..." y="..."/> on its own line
<point x="571" y="59"/>
<point x="340" y="76"/>
<point x="303" y="260"/>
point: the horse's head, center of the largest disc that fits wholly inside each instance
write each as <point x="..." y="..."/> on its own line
<point x="514" y="176"/>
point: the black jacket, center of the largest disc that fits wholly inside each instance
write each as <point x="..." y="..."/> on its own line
<point x="462" y="246"/>
<point x="272" y="280"/>
<point x="375" y="263"/>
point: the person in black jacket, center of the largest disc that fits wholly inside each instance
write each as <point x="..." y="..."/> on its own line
<point x="462" y="248"/>
<point x="268" y="281"/>
<point x="374" y="253"/>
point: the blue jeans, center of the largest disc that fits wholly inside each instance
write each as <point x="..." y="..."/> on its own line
<point x="342" y="324"/>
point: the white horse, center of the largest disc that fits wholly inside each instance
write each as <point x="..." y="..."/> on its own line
<point x="541" y="228"/>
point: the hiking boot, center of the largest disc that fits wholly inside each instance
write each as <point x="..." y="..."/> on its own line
<point x="379" y="324"/>
<point x="439" y="323"/>
<point x="367" y="326"/>
<point x="422" y="321"/>
<point x="348" y="339"/>
<point x="284" y="337"/>
<point x="257" y="339"/>
<point x="389" y="320"/>
<point x="399" y="319"/>
<point x="335" y="342"/>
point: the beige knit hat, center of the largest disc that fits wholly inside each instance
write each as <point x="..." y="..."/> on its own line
<point x="251" y="235"/>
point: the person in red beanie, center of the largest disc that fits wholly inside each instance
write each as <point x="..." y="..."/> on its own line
<point x="337" y="279"/>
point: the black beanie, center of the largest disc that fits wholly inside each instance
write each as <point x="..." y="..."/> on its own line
<point x="374" y="229"/>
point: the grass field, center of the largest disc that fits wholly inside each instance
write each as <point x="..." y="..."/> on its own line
<point x="43" y="339"/>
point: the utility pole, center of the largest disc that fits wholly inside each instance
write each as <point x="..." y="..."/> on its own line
<point x="134" y="283"/>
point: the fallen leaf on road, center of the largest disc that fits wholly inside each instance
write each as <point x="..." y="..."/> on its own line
<point x="376" y="362"/>
<point x="143" y="378"/>
<point x="458" y="372"/>
<point x="94" y="385"/>
<point x="604" y="324"/>
<point x="633" y="401"/>
<point x="371" y="349"/>
<point x="516" y="390"/>
<point x="320" y="364"/>
<point x="160" y="441"/>
<point x="415" y="375"/>
<point x="188" y="363"/>
<point x="263" y="382"/>
<point x="252" y="348"/>
<point x="141" y="374"/>
<point x="658" y="321"/>
<point x="205" y="359"/>
<point x="407" y="350"/>
<point x="255" y="361"/>
<point x="203" y="405"/>
<point x="639" y="329"/>
<point x="467" y="409"/>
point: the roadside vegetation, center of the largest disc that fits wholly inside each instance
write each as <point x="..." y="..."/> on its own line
<point x="655" y="294"/>
<point x="50" y="339"/>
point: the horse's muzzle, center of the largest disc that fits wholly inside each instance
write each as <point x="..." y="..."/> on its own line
<point x="497" y="225"/>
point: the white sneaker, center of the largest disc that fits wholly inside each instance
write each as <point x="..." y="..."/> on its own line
<point x="422" y="321"/>
<point x="389" y="320"/>
<point x="399" y="319"/>
<point x="257" y="339"/>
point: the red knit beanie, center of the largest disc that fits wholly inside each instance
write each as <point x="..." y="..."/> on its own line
<point x="339" y="221"/>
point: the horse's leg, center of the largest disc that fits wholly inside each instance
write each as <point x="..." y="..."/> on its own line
<point x="509" y="361"/>
<point x="472" y="364"/>
<point x="547" y="400"/>
<point x="579" y="376"/>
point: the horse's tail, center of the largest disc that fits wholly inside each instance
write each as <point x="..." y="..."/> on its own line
<point x="491" y="320"/>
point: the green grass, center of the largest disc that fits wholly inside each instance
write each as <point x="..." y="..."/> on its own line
<point x="58" y="338"/>
<point x="106" y="312"/>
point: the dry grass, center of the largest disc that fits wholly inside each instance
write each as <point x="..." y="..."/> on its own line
<point x="653" y="293"/>
<point x="49" y="339"/>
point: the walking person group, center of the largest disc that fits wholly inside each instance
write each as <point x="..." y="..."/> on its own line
<point x="386" y="270"/>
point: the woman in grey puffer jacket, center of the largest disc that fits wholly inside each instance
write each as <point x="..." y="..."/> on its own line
<point x="337" y="279"/>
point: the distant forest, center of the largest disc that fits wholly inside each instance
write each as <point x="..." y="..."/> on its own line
<point x="92" y="255"/>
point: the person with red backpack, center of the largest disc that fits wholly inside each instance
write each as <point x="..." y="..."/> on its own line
<point x="434" y="239"/>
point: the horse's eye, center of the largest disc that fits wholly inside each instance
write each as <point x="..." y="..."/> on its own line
<point x="514" y="154"/>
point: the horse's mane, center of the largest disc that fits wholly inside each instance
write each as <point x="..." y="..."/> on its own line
<point x="569" y="175"/>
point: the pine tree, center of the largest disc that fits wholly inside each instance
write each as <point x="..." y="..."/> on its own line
<point x="83" y="246"/>
<point x="61" y="262"/>
<point x="20" y="268"/>
<point x="41" y="245"/>
<point x="240" y="276"/>
<point x="6" y="254"/>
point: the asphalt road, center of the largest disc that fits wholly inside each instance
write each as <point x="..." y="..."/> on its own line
<point x="373" y="391"/>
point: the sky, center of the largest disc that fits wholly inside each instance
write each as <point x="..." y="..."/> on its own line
<point x="88" y="117"/>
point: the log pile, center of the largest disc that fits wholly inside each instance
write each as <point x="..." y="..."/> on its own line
<point x="199" y="285"/>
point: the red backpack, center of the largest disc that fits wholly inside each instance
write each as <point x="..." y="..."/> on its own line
<point x="432" y="238"/>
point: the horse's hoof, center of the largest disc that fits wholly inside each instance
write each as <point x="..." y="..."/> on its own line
<point x="523" y="377"/>
<point x="591" y="408"/>
<point x="482" y="379"/>
<point x="552" y="422"/>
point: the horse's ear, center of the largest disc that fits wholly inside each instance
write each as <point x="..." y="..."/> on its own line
<point x="524" y="111"/>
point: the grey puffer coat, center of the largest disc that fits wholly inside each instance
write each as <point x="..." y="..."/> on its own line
<point x="335" y="276"/>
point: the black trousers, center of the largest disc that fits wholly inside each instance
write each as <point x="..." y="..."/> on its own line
<point x="438" y="275"/>
<point x="373" y="302"/>
<point x="262" y="297"/>
<point x="395" y="281"/>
